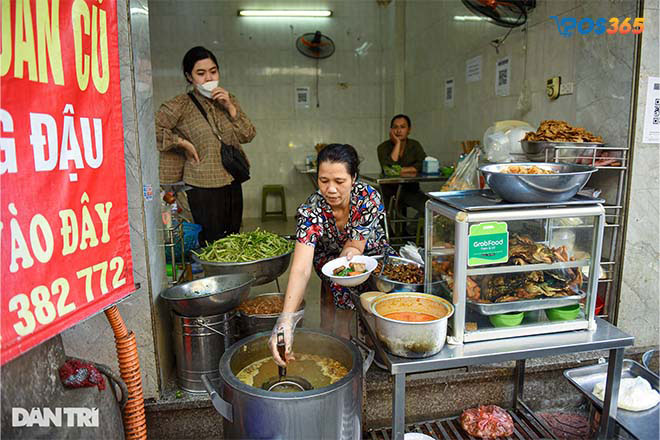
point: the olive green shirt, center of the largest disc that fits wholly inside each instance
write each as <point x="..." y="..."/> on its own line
<point x="413" y="155"/>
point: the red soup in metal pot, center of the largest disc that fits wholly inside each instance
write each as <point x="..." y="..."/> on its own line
<point x="411" y="316"/>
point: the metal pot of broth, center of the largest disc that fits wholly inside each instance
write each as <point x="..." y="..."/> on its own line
<point x="331" y="409"/>
<point x="411" y="325"/>
<point x="259" y="314"/>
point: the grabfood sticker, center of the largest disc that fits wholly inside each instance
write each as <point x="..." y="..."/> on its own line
<point x="488" y="244"/>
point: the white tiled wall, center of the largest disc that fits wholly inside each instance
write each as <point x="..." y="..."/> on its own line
<point x="357" y="93"/>
<point x="437" y="48"/>
<point x="261" y="66"/>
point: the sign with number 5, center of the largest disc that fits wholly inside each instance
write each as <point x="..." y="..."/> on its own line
<point x="567" y="26"/>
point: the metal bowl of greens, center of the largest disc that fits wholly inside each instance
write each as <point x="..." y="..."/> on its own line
<point x="209" y="296"/>
<point x="260" y="253"/>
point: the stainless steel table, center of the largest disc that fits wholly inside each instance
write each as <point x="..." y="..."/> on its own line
<point x="605" y="337"/>
<point x="381" y="179"/>
<point x="309" y="172"/>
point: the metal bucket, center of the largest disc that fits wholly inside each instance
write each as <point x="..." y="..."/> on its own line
<point x="199" y="343"/>
<point x="332" y="412"/>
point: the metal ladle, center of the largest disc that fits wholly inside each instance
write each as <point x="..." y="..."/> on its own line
<point x="284" y="381"/>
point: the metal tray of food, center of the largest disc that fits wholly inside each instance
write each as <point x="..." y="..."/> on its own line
<point x="569" y="151"/>
<point x="524" y="305"/>
<point x="536" y="147"/>
<point x="486" y="199"/>
<point x="641" y="424"/>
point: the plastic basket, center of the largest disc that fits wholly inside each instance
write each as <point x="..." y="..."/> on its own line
<point x="190" y="241"/>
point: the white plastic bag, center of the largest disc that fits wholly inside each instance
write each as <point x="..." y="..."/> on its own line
<point x="503" y="139"/>
<point x="411" y="252"/>
<point x="466" y="175"/>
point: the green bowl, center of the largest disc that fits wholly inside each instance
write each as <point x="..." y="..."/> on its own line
<point x="507" y="319"/>
<point x="565" y="313"/>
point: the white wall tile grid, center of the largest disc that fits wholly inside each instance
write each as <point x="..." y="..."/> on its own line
<point x="261" y="66"/>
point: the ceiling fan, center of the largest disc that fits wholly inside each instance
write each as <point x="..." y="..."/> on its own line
<point x="507" y="13"/>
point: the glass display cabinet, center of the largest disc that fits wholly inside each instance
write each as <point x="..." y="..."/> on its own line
<point x="513" y="269"/>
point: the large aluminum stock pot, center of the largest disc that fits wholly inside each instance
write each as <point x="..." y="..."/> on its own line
<point x="331" y="412"/>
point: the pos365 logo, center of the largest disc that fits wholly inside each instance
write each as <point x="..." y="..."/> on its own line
<point x="567" y="26"/>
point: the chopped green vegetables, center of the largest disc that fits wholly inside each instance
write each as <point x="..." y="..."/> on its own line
<point x="392" y="171"/>
<point x="246" y="246"/>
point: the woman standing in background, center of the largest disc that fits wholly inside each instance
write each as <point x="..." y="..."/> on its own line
<point x="216" y="199"/>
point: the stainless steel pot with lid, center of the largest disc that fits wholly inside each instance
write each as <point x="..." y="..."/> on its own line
<point x="333" y="411"/>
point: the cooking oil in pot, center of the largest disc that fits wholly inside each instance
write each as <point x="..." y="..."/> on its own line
<point x="319" y="371"/>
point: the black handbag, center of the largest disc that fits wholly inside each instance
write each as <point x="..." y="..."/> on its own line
<point x="233" y="159"/>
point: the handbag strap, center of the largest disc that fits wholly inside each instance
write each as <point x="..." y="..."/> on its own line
<point x="203" y="112"/>
<point x="199" y="106"/>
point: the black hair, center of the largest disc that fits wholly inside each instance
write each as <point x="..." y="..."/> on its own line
<point x="192" y="56"/>
<point x="406" y="117"/>
<point x="340" y="153"/>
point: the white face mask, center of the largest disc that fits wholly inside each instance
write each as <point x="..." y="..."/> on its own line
<point x="206" y="88"/>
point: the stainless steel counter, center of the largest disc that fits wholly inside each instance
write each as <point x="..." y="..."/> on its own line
<point x="381" y="179"/>
<point x="605" y="337"/>
<point x="309" y="172"/>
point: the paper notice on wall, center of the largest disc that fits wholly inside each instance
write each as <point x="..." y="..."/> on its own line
<point x="302" y="97"/>
<point x="473" y="69"/>
<point x="502" y="77"/>
<point x="652" y="114"/>
<point x="449" y="92"/>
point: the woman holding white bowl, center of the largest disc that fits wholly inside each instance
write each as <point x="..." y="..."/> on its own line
<point x="341" y="219"/>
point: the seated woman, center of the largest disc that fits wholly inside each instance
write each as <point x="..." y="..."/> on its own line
<point x="409" y="155"/>
<point x="342" y="218"/>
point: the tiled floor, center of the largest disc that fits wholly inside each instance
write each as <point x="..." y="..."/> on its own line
<point x="312" y="296"/>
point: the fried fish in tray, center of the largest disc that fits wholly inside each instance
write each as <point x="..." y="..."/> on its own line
<point x="535" y="284"/>
<point x="520" y="285"/>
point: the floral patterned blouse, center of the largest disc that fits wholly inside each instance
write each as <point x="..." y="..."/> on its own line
<point x="316" y="226"/>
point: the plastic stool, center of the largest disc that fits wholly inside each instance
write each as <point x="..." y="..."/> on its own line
<point x="276" y="190"/>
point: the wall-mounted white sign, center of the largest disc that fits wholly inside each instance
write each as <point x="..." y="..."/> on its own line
<point x="449" y="92"/>
<point x="502" y="76"/>
<point x="302" y="97"/>
<point x="473" y="69"/>
<point x="652" y="114"/>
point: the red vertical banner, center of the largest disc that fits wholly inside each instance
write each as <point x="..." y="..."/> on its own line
<point x="66" y="251"/>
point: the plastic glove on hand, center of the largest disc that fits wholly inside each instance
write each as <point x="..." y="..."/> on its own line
<point x="286" y="324"/>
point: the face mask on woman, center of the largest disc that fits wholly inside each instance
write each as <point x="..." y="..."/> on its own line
<point x="206" y="88"/>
